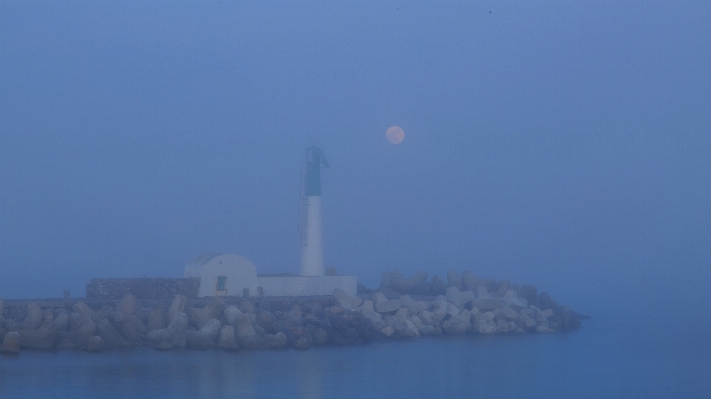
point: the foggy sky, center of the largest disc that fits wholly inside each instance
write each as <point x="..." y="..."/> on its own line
<point x="557" y="143"/>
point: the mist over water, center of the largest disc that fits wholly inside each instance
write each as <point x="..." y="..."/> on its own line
<point x="563" y="145"/>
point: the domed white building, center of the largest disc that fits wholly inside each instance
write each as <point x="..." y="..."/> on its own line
<point x="223" y="275"/>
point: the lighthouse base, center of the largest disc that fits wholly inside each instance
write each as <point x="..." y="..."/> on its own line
<point x="306" y="285"/>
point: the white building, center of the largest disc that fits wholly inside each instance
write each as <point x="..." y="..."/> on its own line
<point x="223" y="274"/>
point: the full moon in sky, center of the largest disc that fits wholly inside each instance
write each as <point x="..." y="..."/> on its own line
<point x="395" y="134"/>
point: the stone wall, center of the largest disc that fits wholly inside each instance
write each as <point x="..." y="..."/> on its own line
<point x="142" y="288"/>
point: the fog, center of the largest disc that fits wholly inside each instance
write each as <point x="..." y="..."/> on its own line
<point x="555" y="143"/>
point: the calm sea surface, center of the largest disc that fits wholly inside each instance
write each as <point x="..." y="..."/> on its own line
<point x="605" y="359"/>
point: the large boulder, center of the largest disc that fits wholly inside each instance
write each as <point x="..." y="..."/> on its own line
<point x="128" y="304"/>
<point x="178" y="306"/>
<point x="130" y="331"/>
<point x="320" y="337"/>
<point x="205" y="337"/>
<point x="247" y="307"/>
<point x="95" y="344"/>
<point x="156" y="320"/>
<point x="42" y="338"/>
<point x="276" y="341"/>
<point x="227" y="340"/>
<point x="453" y="279"/>
<point x="172" y="336"/>
<point x="387" y="306"/>
<point x="83" y="333"/>
<point x="112" y="338"/>
<point x="486" y="304"/>
<point x="10" y="344"/>
<point x="303" y="342"/>
<point x="545" y="302"/>
<point x="200" y="316"/>
<point x="33" y="319"/>
<point x="388" y="277"/>
<point x="83" y="308"/>
<point x="502" y="287"/>
<point x="455" y="326"/>
<point x="529" y="293"/>
<point x="469" y="281"/>
<point x="437" y="286"/>
<point x="419" y="278"/>
<point x="458" y="298"/>
<point x="345" y="300"/>
<point x="399" y="283"/>
<point x="265" y="319"/>
<point x="232" y="313"/>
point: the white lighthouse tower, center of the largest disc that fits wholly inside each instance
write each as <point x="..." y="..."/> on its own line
<point x="311" y="222"/>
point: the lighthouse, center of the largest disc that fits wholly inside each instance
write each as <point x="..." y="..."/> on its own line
<point x="311" y="221"/>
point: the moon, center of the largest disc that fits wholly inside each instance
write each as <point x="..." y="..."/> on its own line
<point x="395" y="134"/>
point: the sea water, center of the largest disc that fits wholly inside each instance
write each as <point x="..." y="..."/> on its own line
<point x="606" y="358"/>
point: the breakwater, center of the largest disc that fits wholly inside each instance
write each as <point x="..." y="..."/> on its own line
<point x="399" y="309"/>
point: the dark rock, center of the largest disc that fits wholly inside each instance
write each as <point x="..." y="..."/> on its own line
<point x="529" y="293"/>
<point x="331" y="271"/>
<point x="363" y="290"/>
<point x="545" y="302"/>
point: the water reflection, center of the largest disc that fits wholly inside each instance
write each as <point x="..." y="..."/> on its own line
<point x="592" y="363"/>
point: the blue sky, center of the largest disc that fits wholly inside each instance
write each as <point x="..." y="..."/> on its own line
<point x="557" y="143"/>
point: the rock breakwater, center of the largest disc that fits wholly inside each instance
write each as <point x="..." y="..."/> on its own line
<point x="400" y="308"/>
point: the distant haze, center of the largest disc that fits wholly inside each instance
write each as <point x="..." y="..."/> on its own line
<point x="558" y="143"/>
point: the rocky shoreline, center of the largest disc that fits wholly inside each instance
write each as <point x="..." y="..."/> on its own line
<point x="399" y="309"/>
